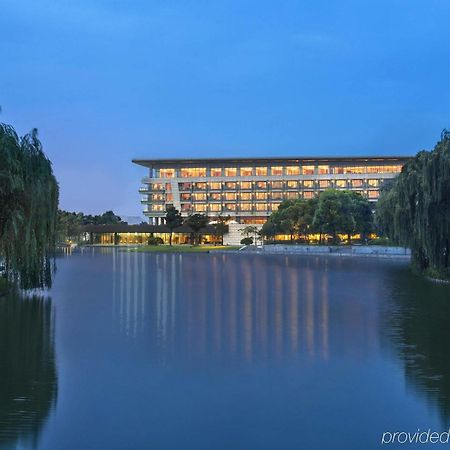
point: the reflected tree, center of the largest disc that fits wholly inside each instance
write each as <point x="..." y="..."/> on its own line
<point x="420" y="321"/>
<point x="28" y="378"/>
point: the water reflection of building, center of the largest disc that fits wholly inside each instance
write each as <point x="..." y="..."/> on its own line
<point x="28" y="379"/>
<point x="419" y="324"/>
<point x="246" y="309"/>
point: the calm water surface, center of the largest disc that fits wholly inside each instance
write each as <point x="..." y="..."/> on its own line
<point x="196" y="351"/>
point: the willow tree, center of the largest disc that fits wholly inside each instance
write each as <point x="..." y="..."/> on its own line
<point x="28" y="209"/>
<point x="415" y="211"/>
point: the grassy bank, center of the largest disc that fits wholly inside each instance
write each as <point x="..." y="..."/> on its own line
<point x="183" y="248"/>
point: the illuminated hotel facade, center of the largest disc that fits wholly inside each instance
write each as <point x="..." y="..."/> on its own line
<point x="249" y="190"/>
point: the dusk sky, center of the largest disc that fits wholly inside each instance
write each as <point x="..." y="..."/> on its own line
<point x="107" y="81"/>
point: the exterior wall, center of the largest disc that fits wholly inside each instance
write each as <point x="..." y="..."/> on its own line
<point x="249" y="191"/>
<point x="234" y="235"/>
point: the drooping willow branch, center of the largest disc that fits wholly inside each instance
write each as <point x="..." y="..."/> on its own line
<point x="28" y="209"/>
<point x="415" y="211"/>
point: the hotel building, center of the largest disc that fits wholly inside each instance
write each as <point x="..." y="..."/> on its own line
<point x="249" y="190"/>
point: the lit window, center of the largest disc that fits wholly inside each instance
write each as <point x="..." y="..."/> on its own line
<point x="199" y="197"/>
<point x="215" y="197"/>
<point x="169" y="197"/>
<point x="356" y="183"/>
<point x="246" y="196"/>
<point x="185" y="196"/>
<point x="245" y="206"/>
<point x="230" y="207"/>
<point x="230" y="196"/>
<point x="230" y="185"/>
<point x="275" y="206"/>
<point x="261" y="171"/>
<point x="277" y="196"/>
<point x="373" y="194"/>
<point x="184" y="186"/>
<point x="168" y="187"/>
<point x="215" y="207"/>
<point x="216" y="172"/>
<point x="324" y="184"/>
<point x="193" y="172"/>
<point x="261" y="206"/>
<point x="341" y="183"/>
<point x="200" y="207"/>
<point x="373" y="183"/>
<point x="230" y="172"/>
<point x="276" y="184"/>
<point x="246" y="171"/>
<point x="157" y="207"/>
<point x="215" y="186"/>
<point x="200" y="186"/>
<point x="246" y="184"/>
<point x="308" y="170"/>
<point x="261" y="195"/>
<point x="261" y="184"/>
<point x="166" y="173"/>
<point x="355" y="169"/>
<point x="292" y="170"/>
<point x="157" y="187"/>
<point x="308" y="194"/>
<point x="292" y="195"/>
<point x="185" y="207"/>
<point x="308" y="183"/>
<point x="323" y="170"/>
<point x="276" y="170"/>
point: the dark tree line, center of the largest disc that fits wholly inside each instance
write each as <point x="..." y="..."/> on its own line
<point x="196" y="222"/>
<point x="28" y="209"/>
<point x="415" y="211"/>
<point x="70" y="224"/>
<point x="330" y="213"/>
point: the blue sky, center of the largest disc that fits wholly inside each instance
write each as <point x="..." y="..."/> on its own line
<point x="105" y="81"/>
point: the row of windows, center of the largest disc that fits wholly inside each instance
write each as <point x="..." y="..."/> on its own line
<point x="249" y="185"/>
<point x="232" y="196"/>
<point x="193" y="172"/>
<point x="229" y="206"/>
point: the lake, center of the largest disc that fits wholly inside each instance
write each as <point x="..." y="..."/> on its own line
<point x="222" y="352"/>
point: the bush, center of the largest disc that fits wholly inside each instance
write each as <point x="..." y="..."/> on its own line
<point x="247" y="241"/>
<point x="153" y="240"/>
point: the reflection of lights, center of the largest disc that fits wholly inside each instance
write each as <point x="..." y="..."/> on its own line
<point x="222" y="305"/>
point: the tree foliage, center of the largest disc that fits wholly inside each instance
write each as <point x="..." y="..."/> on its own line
<point x="28" y="209"/>
<point x="196" y="222"/>
<point x="415" y="211"/>
<point x="173" y="220"/>
<point x="70" y="223"/>
<point x="332" y="212"/>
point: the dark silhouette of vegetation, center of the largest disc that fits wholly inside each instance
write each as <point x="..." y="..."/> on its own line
<point x="332" y="212"/>
<point x="70" y="223"/>
<point x="220" y="226"/>
<point x="342" y="212"/>
<point x="419" y="329"/>
<point x="28" y="377"/>
<point x="173" y="220"/>
<point x="415" y="211"/>
<point x="28" y="210"/>
<point x="155" y="240"/>
<point x="196" y="222"/>
<point x="247" y="241"/>
<point x="250" y="231"/>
